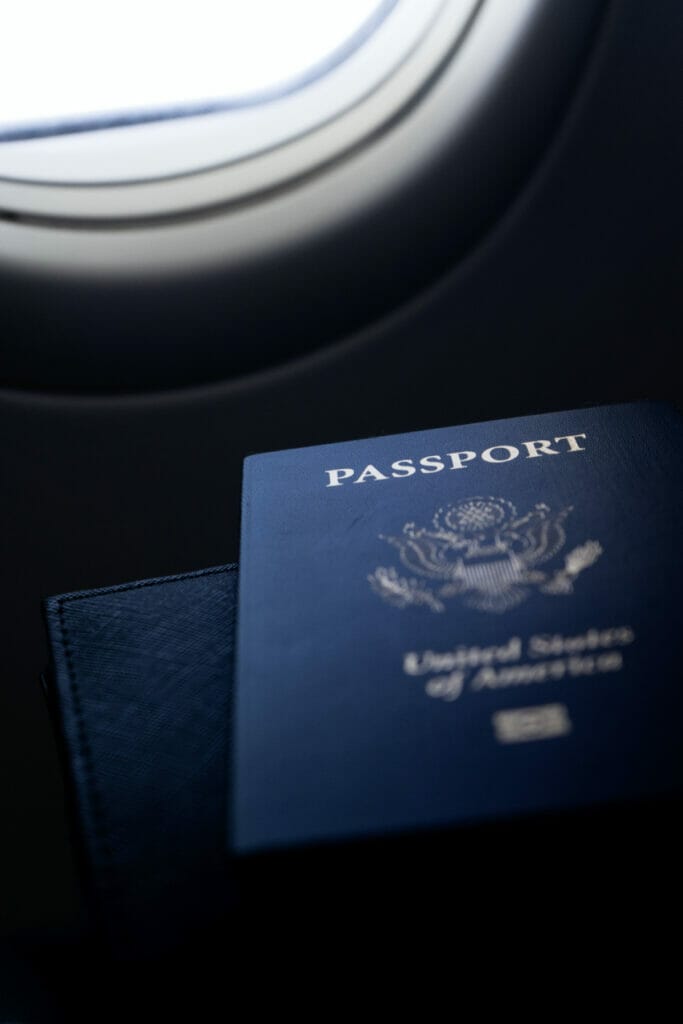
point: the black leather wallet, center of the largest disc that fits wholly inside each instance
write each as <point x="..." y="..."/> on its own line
<point x="140" y="688"/>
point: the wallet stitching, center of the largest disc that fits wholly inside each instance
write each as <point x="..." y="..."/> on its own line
<point x="100" y="830"/>
<point x="118" y="588"/>
<point x="85" y="750"/>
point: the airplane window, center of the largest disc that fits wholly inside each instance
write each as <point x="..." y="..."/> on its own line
<point x="299" y="165"/>
<point x="159" y="63"/>
<point x="171" y="95"/>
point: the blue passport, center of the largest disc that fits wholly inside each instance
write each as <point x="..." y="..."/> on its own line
<point x="459" y="625"/>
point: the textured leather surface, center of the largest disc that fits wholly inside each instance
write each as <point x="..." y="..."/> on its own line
<point x="141" y="686"/>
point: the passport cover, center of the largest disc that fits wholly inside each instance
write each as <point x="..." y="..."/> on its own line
<point x="459" y="625"/>
<point x="140" y="689"/>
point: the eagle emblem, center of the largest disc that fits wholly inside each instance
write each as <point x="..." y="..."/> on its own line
<point x="482" y="551"/>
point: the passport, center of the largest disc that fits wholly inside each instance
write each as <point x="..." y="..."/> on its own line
<point x="459" y="625"/>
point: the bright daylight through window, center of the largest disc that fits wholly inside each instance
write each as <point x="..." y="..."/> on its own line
<point x="135" y="60"/>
